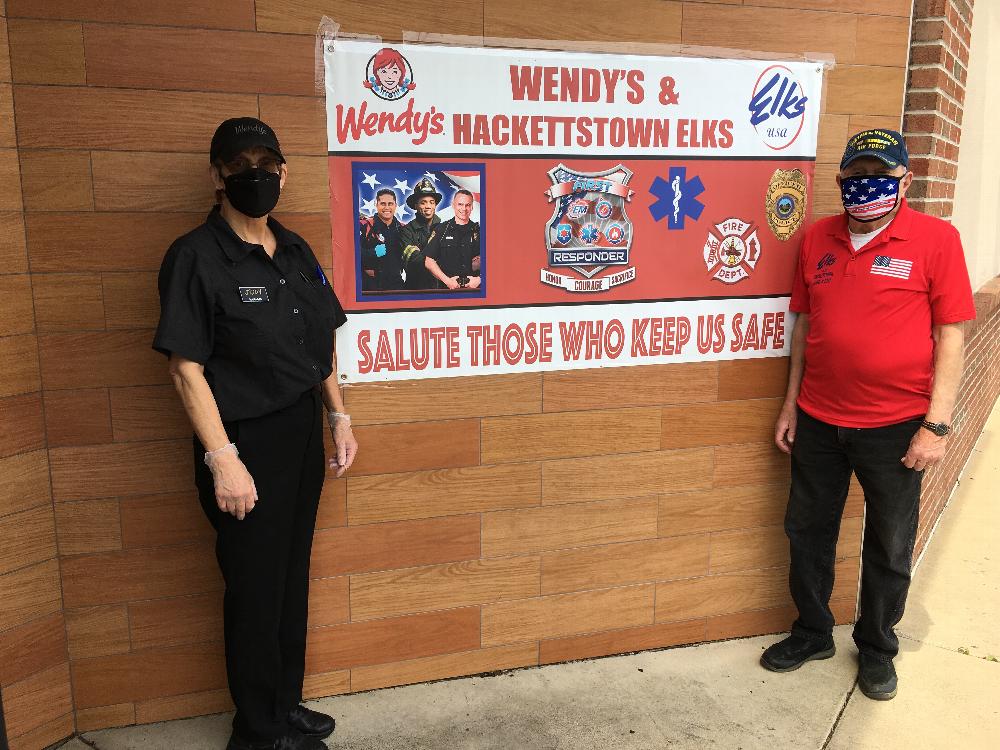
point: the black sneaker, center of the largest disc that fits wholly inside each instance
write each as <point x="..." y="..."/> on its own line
<point x="311" y="723"/>
<point x="794" y="651"/>
<point x="876" y="678"/>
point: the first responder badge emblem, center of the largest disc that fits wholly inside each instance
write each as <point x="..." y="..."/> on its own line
<point x="785" y="202"/>
<point x="589" y="231"/>
<point x="732" y="250"/>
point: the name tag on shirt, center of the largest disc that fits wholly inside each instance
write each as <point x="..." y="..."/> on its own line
<point x="253" y="294"/>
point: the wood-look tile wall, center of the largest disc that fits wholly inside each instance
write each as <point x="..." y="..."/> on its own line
<point x="489" y="523"/>
<point x="34" y="660"/>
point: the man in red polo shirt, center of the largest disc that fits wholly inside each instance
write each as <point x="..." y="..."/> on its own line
<point x="881" y="292"/>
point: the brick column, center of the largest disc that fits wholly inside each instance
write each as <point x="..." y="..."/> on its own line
<point x="935" y="95"/>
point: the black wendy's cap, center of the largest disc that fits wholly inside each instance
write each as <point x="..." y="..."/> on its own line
<point x="885" y="145"/>
<point x="239" y="134"/>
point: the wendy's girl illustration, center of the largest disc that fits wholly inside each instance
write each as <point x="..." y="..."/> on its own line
<point x="389" y="75"/>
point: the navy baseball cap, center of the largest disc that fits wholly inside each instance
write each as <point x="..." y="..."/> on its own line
<point x="234" y="136"/>
<point x="885" y="145"/>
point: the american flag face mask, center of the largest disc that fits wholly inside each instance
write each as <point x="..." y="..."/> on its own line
<point x="869" y="198"/>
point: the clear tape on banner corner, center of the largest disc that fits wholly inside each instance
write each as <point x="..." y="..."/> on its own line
<point x="327" y="34"/>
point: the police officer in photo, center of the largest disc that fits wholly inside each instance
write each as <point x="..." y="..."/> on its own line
<point x="247" y="319"/>
<point x="415" y="235"/>
<point x="381" y="247"/>
<point x="452" y="253"/>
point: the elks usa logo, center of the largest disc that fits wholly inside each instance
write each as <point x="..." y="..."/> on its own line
<point x="589" y="230"/>
<point x="778" y="107"/>
<point x="732" y="250"/>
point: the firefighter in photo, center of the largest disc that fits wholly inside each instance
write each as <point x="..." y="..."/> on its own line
<point x="381" y="247"/>
<point x="414" y="236"/>
<point x="452" y="253"/>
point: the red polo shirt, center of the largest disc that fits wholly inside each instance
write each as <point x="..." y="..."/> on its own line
<point x="870" y="352"/>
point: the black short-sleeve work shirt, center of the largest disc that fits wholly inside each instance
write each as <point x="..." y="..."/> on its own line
<point x="262" y="327"/>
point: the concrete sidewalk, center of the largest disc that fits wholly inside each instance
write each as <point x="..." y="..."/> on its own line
<point x="714" y="695"/>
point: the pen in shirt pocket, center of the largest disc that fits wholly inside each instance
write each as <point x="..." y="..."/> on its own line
<point x="320" y="275"/>
<point x="305" y="278"/>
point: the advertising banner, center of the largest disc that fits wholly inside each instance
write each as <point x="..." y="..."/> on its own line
<point x="505" y="210"/>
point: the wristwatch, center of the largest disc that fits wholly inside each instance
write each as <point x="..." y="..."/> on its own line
<point x="938" y="428"/>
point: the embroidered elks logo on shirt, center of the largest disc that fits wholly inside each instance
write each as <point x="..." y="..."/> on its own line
<point x="883" y="265"/>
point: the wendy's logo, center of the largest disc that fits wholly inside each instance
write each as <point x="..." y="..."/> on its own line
<point x="389" y="75"/>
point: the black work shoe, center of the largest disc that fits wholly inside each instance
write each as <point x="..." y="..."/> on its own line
<point x="311" y="723"/>
<point x="294" y="740"/>
<point x="876" y="678"/>
<point x="794" y="651"/>
<point x="237" y="743"/>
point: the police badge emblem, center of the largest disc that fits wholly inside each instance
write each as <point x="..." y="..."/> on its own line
<point x="599" y="237"/>
<point x="785" y="202"/>
<point x="732" y="250"/>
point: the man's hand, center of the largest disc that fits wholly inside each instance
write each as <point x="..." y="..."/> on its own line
<point x="235" y="491"/>
<point x="784" y="428"/>
<point x="346" y="445"/>
<point x="452" y="282"/>
<point x="474" y="282"/>
<point x="926" y="449"/>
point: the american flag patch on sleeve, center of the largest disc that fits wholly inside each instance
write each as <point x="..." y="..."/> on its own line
<point x="883" y="265"/>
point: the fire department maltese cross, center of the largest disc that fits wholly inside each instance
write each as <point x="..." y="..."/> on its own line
<point x="732" y="250"/>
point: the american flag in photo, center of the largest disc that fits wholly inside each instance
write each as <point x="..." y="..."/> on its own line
<point x="870" y="196"/>
<point x="371" y="178"/>
<point x="883" y="265"/>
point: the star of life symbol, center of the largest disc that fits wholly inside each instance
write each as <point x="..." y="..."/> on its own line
<point x="590" y="234"/>
<point x="596" y="239"/>
<point x="732" y="250"/>
<point x="677" y="198"/>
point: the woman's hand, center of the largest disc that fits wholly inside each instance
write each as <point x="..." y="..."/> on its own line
<point x="345" y="444"/>
<point x="235" y="491"/>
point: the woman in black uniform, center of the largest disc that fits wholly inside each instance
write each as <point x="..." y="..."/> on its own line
<point x="247" y="318"/>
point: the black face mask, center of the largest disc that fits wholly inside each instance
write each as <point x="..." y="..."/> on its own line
<point x="253" y="192"/>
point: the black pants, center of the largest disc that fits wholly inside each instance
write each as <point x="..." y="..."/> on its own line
<point x="265" y="562"/>
<point x="823" y="458"/>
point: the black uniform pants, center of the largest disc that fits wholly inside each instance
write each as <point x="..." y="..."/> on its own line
<point x="265" y="561"/>
<point x="823" y="458"/>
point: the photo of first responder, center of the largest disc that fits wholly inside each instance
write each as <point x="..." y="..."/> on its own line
<point x="420" y="230"/>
